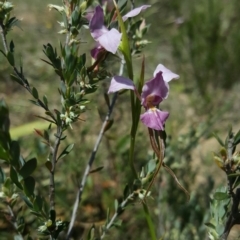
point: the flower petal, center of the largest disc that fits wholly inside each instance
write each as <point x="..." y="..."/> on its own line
<point x="154" y="90"/>
<point x="118" y="83"/>
<point x="167" y="74"/>
<point x="154" y="118"/>
<point x="135" y="12"/>
<point x="110" y="40"/>
<point x="96" y="50"/>
<point x="96" y="24"/>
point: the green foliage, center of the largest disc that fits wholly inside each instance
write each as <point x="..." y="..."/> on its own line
<point x="206" y="43"/>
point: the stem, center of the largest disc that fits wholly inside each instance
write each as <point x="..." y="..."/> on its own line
<point x="116" y="214"/>
<point x="149" y="222"/>
<point x="52" y="172"/>
<point x="89" y="164"/>
<point x="159" y="151"/>
<point x="4" y="40"/>
<point x="14" y="223"/>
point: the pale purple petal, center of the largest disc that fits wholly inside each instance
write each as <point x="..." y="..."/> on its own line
<point x="96" y="24"/>
<point x="167" y="74"/>
<point x="110" y="40"/>
<point x="154" y="118"/>
<point x="118" y="83"/>
<point x="135" y="12"/>
<point x="155" y="90"/>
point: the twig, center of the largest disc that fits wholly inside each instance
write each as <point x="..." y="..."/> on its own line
<point x="120" y="208"/>
<point x="234" y="217"/>
<point x="88" y="167"/>
<point x="14" y="223"/>
<point x="54" y="151"/>
<point x="92" y="157"/>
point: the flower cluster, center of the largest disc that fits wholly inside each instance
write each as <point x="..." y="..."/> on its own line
<point x="153" y="93"/>
<point x="108" y="39"/>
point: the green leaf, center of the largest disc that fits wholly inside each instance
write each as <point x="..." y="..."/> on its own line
<point x="237" y="138"/>
<point x="48" y="165"/>
<point x="66" y="151"/>
<point x="10" y="58"/>
<point x="116" y="205"/>
<point x="220" y="196"/>
<point x="28" y="186"/>
<point x="96" y="170"/>
<point x="91" y="233"/>
<point x="219" y="140"/>
<point x="52" y="215"/>
<point x="126" y="191"/>
<point x="35" y="93"/>
<point x="117" y="223"/>
<point x="11" y="46"/>
<point x="14" y="177"/>
<point x="4" y="116"/>
<point x="28" y="168"/>
<point x="2" y="176"/>
<point x="26" y="200"/>
<point x="125" y="47"/>
<point x="38" y="203"/>
<point x="45" y="100"/>
<point x="4" y="155"/>
<point x="108" y="125"/>
<point x="36" y="214"/>
<point x="15" y="153"/>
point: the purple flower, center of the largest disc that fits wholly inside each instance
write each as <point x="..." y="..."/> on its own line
<point x="153" y="93"/>
<point x="108" y="39"/>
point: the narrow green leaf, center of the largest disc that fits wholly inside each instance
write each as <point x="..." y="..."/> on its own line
<point x="10" y="58"/>
<point x="2" y="176"/>
<point x="126" y="191"/>
<point x="96" y="170"/>
<point x="14" y="177"/>
<point x="28" y="168"/>
<point x="36" y="214"/>
<point x="11" y="46"/>
<point x="220" y="196"/>
<point x="28" y="186"/>
<point x="52" y="215"/>
<point x="35" y="93"/>
<point x="15" y="153"/>
<point x="48" y="165"/>
<point x="38" y="203"/>
<point x="219" y="140"/>
<point x="116" y="205"/>
<point x="66" y="151"/>
<point x="125" y="47"/>
<point x="45" y="100"/>
<point x="237" y="138"/>
<point x="4" y="155"/>
<point x="117" y="223"/>
<point x="26" y="200"/>
<point x="108" y="125"/>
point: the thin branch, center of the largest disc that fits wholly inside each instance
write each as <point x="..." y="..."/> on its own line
<point x="4" y="40"/>
<point x="92" y="157"/>
<point x="54" y="151"/>
<point x="234" y="217"/>
<point x="90" y="162"/>
<point x="14" y="223"/>
<point x="116" y="214"/>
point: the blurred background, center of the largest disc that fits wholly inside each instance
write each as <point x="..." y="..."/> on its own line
<point x="197" y="39"/>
